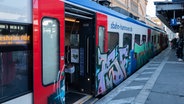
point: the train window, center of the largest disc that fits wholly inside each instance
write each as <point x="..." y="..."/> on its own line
<point x="113" y="40"/>
<point x="127" y="40"/>
<point x="50" y="50"/>
<point x="155" y="39"/>
<point x="137" y="38"/>
<point x="158" y="39"/>
<point x="152" y="39"/>
<point x="101" y="38"/>
<point x="143" y="38"/>
<point x="15" y="61"/>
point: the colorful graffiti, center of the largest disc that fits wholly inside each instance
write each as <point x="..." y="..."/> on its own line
<point x="112" y="68"/>
<point x="143" y="53"/>
<point x="59" y="96"/>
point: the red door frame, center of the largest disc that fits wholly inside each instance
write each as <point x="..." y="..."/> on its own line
<point x="101" y="20"/>
<point x="53" y="9"/>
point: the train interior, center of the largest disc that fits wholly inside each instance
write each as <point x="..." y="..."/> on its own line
<point x="79" y="53"/>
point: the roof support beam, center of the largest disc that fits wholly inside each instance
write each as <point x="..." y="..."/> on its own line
<point x="169" y="7"/>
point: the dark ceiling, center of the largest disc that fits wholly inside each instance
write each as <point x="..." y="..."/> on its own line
<point x="166" y="11"/>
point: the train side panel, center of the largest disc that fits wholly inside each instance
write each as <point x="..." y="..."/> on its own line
<point x="119" y="62"/>
<point x="126" y="55"/>
<point x="48" y="49"/>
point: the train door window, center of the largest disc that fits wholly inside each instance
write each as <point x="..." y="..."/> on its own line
<point x="101" y="38"/>
<point x="143" y="38"/>
<point x="113" y="40"/>
<point x="127" y="40"/>
<point x="158" y="39"/>
<point x="154" y="40"/>
<point x="50" y="50"/>
<point x="15" y="60"/>
<point x="137" y="38"/>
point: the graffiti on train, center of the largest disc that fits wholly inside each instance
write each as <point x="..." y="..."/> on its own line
<point x="59" y="86"/>
<point x="111" y="68"/>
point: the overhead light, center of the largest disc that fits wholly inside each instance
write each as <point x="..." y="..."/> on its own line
<point x="71" y="20"/>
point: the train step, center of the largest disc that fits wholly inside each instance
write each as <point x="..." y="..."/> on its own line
<point x="91" y="101"/>
<point x="83" y="99"/>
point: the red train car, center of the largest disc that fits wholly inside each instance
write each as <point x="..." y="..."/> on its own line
<point x="61" y="51"/>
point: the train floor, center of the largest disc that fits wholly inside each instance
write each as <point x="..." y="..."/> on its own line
<point x="76" y="97"/>
<point x="160" y="81"/>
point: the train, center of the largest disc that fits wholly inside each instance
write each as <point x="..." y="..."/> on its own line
<point x="51" y="50"/>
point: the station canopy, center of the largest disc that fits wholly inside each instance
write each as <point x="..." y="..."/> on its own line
<point x="171" y="13"/>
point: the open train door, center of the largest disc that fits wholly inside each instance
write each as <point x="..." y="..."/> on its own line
<point x="102" y="47"/>
<point x="48" y="51"/>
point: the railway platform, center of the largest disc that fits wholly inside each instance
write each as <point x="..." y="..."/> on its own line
<point x="160" y="81"/>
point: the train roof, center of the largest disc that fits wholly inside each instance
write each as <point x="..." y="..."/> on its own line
<point x="97" y="7"/>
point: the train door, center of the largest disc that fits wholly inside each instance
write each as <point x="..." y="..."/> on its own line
<point x="48" y="51"/>
<point x="79" y="52"/>
<point x="102" y="45"/>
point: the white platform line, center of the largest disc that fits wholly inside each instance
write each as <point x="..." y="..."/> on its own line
<point x="132" y="88"/>
<point x="154" y="66"/>
<point x="122" y="101"/>
<point x="147" y="72"/>
<point x="151" y="68"/>
<point x="141" y="79"/>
